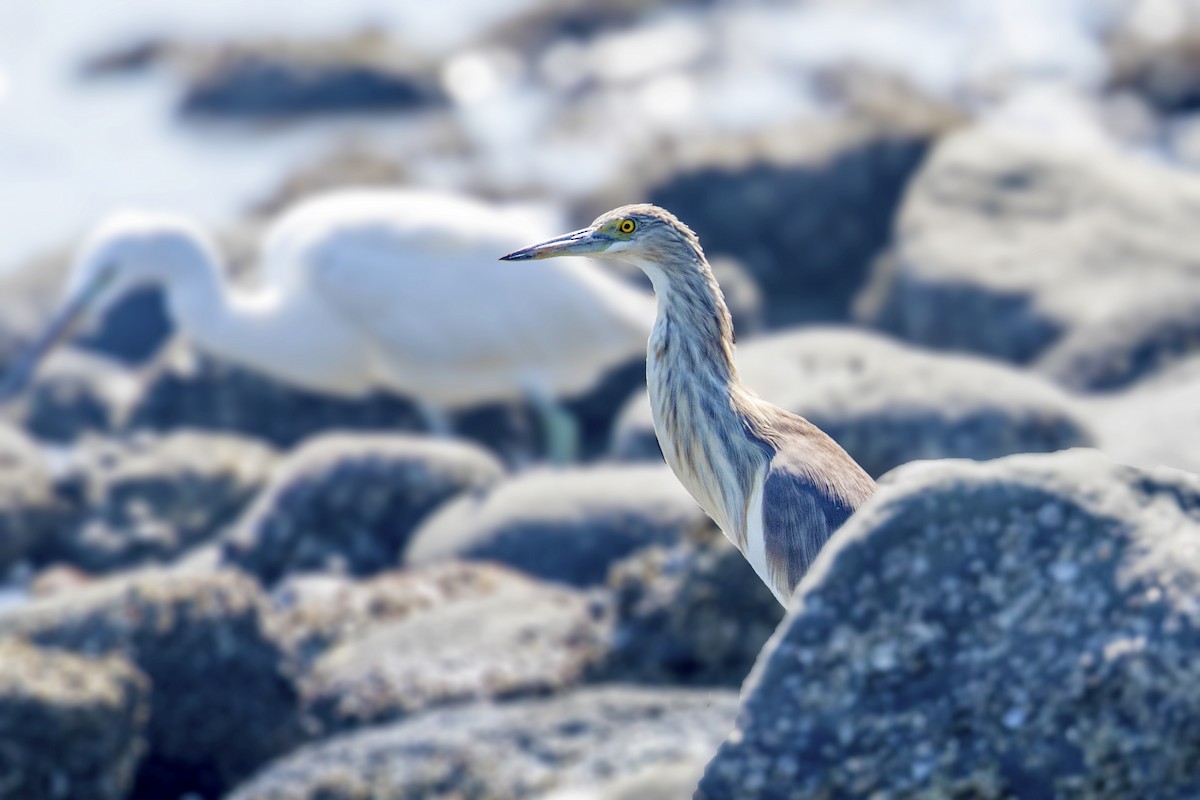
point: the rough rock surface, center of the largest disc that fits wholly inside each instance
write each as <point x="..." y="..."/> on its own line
<point x="349" y="503"/>
<point x="1005" y="244"/>
<point x="888" y="403"/>
<point x="562" y="525"/>
<point x="1021" y="628"/>
<point x="504" y="752"/>
<point x="71" y="726"/>
<point x="73" y="393"/>
<point x="693" y="614"/>
<point x="221" y="702"/>
<point x="508" y="638"/>
<point x="28" y="508"/>
<point x="148" y="499"/>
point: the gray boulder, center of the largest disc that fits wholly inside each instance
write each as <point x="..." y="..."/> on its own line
<point x="349" y="503"/>
<point x="221" y="701"/>
<point x="568" y="526"/>
<point x="508" y="638"/>
<point x="147" y="499"/>
<point x="1007" y="244"/>
<point x="28" y="508"/>
<point x="74" y="393"/>
<point x="693" y="614"/>
<point x="888" y="403"/>
<point x="71" y="726"/>
<point x="1021" y="628"/>
<point x="503" y="752"/>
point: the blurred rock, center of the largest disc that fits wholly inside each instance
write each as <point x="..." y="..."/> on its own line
<point x="521" y="749"/>
<point x="148" y="498"/>
<point x="74" y="393"/>
<point x="806" y="226"/>
<point x="362" y="73"/>
<point x="349" y="503"/>
<point x="667" y="781"/>
<point x="888" y="403"/>
<point x="1159" y="59"/>
<point x="565" y="525"/>
<point x="506" y="637"/>
<point x="693" y="614"/>
<point x="1022" y="628"/>
<point x="1007" y="244"/>
<point x="1156" y="422"/>
<point x="28" y="508"/>
<point x="221" y="703"/>
<point x="1132" y="344"/>
<point x="71" y="726"/>
<point x="348" y="167"/>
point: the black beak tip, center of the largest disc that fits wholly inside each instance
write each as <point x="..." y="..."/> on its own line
<point x="513" y="256"/>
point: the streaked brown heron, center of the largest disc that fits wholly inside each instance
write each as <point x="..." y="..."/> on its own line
<point x="775" y="483"/>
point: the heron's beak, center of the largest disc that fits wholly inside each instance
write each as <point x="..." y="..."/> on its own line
<point x="58" y="329"/>
<point x="586" y="242"/>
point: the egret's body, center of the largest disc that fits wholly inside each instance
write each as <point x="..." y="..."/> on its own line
<point x="775" y="484"/>
<point x="380" y="289"/>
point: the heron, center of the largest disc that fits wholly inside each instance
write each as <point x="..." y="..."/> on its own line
<point x="376" y="289"/>
<point x="776" y="485"/>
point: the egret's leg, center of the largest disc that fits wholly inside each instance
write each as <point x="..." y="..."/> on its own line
<point x="559" y="428"/>
<point x="436" y="420"/>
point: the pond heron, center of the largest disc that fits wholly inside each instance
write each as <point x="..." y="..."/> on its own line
<point x="774" y="483"/>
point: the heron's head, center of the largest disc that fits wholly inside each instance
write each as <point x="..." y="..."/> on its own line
<point x="646" y="235"/>
<point x="126" y="252"/>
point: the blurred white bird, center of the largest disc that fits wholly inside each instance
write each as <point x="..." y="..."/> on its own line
<point x="378" y="289"/>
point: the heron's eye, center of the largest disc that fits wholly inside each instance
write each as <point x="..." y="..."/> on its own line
<point x="626" y="226"/>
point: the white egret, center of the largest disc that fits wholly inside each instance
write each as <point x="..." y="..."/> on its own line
<point x="378" y="289"/>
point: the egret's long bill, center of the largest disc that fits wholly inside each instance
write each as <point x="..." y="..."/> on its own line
<point x="58" y="329"/>
<point x="585" y="242"/>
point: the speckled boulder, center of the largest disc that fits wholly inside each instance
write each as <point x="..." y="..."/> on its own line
<point x="511" y="637"/>
<point x="221" y="702"/>
<point x="71" y="726"/>
<point x="28" y="507"/>
<point x="568" y="526"/>
<point x="1022" y="628"/>
<point x="1006" y="244"/>
<point x="504" y="752"/>
<point x="74" y="393"/>
<point x="694" y="613"/>
<point x="350" y="503"/>
<point x="888" y="403"/>
<point x="148" y="498"/>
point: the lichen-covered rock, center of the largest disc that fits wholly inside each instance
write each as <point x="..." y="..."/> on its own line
<point x="504" y="752"/>
<point x="28" y="507"/>
<point x="1005" y="244"/>
<point x="221" y="701"/>
<point x="149" y="498"/>
<point x="71" y="726"/>
<point x="694" y="613"/>
<point x="1021" y="628"/>
<point x="349" y="503"/>
<point x="888" y="403"/>
<point x="511" y="637"/>
<point x="562" y="525"/>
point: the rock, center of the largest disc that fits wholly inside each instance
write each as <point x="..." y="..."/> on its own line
<point x="148" y="498"/>
<point x="363" y="73"/>
<point x="510" y="637"/>
<point x="1021" y="628"/>
<point x="71" y="726"/>
<point x="519" y="749"/>
<point x="28" y="508"/>
<point x="349" y="503"/>
<point x="74" y="393"/>
<point x="1006" y="244"/>
<point x="190" y="389"/>
<point x="1154" y="51"/>
<point x="1152" y="423"/>
<point x="669" y="781"/>
<point x="566" y="525"/>
<point x="221" y="702"/>
<point x="693" y="614"/>
<point x="1127" y="347"/>
<point x="888" y="403"/>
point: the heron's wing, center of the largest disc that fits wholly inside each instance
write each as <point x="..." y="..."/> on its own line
<point x="811" y="487"/>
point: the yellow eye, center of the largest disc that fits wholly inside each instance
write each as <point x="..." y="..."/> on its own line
<point x="626" y="226"/>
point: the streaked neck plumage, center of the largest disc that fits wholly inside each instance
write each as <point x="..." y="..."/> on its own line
<point x="700" y="407"/>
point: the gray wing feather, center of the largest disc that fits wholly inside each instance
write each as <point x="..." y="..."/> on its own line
<point x="798" y="518"/>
